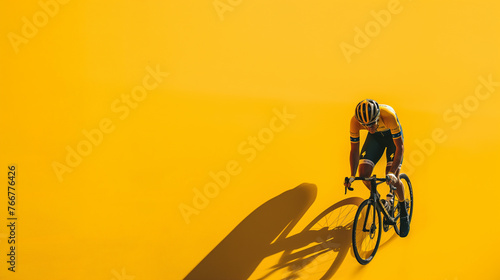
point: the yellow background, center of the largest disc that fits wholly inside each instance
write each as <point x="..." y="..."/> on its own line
<point x="117" y="213"/>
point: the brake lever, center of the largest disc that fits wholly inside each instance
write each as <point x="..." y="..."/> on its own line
<point x="347" y="188"/>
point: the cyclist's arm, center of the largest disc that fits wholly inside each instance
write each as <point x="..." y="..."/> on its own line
<point x="392" y="122"/>
<point x="398" y="155"/>
<point x="354" y="157"/>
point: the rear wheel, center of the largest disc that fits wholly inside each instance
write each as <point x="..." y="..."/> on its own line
<point x="408" y="201"/>
<point x="366" y="232"/>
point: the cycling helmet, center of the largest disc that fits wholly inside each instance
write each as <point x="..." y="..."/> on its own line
<point x="367" y="112"/>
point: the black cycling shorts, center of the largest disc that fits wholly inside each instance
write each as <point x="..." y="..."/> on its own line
<point x="374" y="147"/>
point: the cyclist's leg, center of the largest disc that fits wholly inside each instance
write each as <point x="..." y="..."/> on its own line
<point x="400" y="192"/>
<point x="390" y="152"/>
<point x="372" y="151"/>
<point x="365" y="170"/>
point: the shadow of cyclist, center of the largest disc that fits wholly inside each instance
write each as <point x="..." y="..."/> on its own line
<point x="318" y="251"/>
<point x="241" y="251"/>
<point x="323" y="243"/>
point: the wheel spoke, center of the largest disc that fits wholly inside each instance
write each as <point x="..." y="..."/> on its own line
<point x="346" y="215"/>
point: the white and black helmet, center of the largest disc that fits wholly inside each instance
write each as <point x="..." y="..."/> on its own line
<point x="367" y="112"/>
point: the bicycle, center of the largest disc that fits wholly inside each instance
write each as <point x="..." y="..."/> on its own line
<point x="366" y="231"/>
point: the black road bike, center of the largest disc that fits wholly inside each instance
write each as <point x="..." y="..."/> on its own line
<point x="366" y="231"/>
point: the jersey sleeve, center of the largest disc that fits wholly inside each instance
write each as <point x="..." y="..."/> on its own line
<point x="393" y="124"/>
<point x="354" y="130"/>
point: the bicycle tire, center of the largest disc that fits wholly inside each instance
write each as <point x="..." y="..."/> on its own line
<point x="358" y="236"/>
<point x="404" y="178"/>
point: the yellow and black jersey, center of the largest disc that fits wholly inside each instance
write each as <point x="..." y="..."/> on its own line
<point x="388" y="120"/>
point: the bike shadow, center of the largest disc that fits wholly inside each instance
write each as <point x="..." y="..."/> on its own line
<point x="322" y="244"/>
<point x="318" y="251"/>
<point x="241" y="251"/>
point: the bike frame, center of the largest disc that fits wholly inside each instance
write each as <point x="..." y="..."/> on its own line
<point x="373" y="226"/>
<point x="375" y="197"/>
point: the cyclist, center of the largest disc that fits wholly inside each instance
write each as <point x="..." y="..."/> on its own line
<point x="385" y="132"/>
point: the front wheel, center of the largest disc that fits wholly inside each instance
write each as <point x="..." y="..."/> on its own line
<point x="366" y="232"/>
<point x="408" y="200"/>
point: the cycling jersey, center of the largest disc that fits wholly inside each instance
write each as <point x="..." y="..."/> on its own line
<point x="381" y="141"/>
<point x="388" y="120"/>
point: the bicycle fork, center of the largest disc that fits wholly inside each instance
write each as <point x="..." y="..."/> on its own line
<point x="373" y="225"/>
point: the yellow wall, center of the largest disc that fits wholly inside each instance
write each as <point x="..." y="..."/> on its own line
<point x="153" y="96"/>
